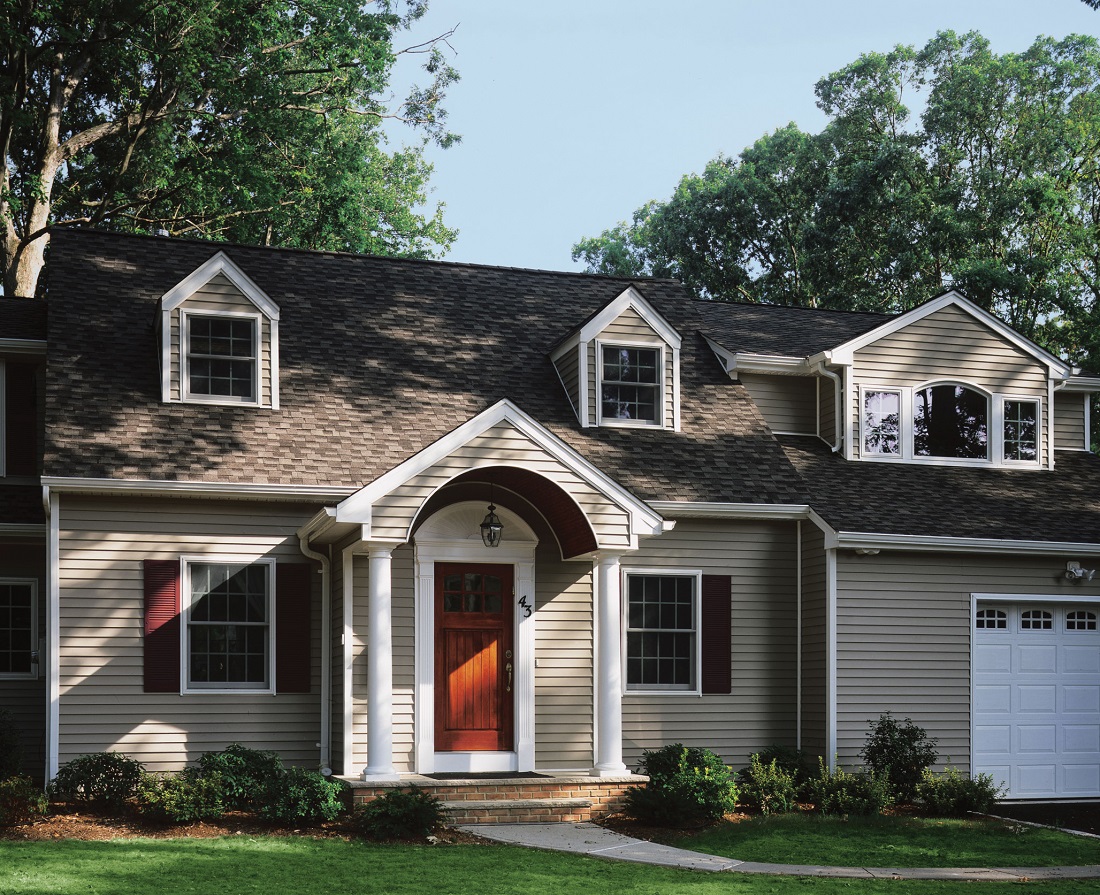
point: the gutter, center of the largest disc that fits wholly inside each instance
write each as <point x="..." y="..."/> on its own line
<point x="837" y="389"/>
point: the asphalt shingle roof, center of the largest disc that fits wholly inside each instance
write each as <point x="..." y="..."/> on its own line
<point x="22" y="318"/>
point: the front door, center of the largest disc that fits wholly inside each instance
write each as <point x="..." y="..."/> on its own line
<point x="474" y="657"/>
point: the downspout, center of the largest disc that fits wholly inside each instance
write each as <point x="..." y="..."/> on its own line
<point x="835" y="446"/>
<point x="326" y="653"/>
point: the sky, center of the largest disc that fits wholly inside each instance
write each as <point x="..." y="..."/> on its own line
<point x="573" y="113"/>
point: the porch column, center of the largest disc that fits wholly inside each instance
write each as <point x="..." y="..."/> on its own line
<point x="609" y="681"/>
<point x="380" y="667"/>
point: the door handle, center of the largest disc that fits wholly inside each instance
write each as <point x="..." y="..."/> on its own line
<point x="508" y="668"/>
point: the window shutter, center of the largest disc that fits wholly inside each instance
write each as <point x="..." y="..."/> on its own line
<point x="162" y="626"/>
<point x="715" y="634"/>
<point x="22" y="419"/>
<point x="292" y="627"/>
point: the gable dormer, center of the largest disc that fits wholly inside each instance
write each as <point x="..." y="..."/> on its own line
<point x="219" y="335"/>
<point x="622" y="366"/>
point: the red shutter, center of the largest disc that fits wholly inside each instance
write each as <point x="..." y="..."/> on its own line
<point x="162" y="626"/>
<point x="715" y="634"/>
<point x="292" y="627"/>
<point x="21" y="411"/>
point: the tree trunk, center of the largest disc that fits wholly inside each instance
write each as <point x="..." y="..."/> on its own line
<point x="23" y="265"/>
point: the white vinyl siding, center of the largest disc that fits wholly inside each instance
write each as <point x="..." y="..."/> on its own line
<point x="761" y="559"/>
<point x="103" y="542"/>
<point x="787" y="403"/>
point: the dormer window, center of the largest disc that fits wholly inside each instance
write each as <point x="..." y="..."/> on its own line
<point x="1021" y="424"/>
<point x="221" y="357"/>
<point x="630" y="388"/>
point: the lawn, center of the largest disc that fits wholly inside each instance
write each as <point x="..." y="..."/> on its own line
<point x="893" y="842"/>
<point x="304" y="866"/>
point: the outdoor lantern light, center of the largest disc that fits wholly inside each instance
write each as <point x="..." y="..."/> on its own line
<point x="491" y="526"/>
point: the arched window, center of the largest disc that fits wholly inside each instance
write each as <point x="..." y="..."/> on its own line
<point x="950" y="420"/>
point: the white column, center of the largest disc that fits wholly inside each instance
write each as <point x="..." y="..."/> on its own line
<point x="380" y="668"/>
<point x="609" y="675"/>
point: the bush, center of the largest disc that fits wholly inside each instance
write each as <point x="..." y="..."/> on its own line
<point x="768" y="787"/>
<point x="899" y="752"/>
<point x="400" y="814"/>
<point x="11" y="746"/>
<point x="840" y="792"/>
<point x="104" y="780"/>
<point x="950" y="794"/>
<point x="300" y="796"/>
<point x="184" y="798"/>
<point x="687" y="786"/>
<point x="20" y="801"/>
<point x="245" y="773"/>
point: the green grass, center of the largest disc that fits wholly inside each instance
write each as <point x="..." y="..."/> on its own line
<point x="892" y="842"/>
<point x="302" y="866"/>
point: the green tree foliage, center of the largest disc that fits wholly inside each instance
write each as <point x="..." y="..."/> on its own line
<point x="231" y="119"/>
<point x="944" y="166"/>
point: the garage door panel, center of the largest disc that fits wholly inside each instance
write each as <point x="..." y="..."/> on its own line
<point x="993" y="657"/>
<point x="1037" y="738"/>
<point x="1081" y="699"/>
<point x="993" y="739"/>
<point x="1037" y="659"/>
<point x="1081" y="659"/>
<point x="1036" y="698"/>
<point x="1082" y="779"/>
<point x="1082" y="738"/>
<point x="995" y="698"/>
<point x="1035" y="779"/>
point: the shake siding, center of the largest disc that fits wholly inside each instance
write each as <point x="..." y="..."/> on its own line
<point x="815" y="658"/>
<point x="102" y="704"/>
<point x="761" y="559"/>
<point x="949" y="345"/>
<point x="787" y="403"/>
<point x="569" y="370"/>
<point x="1069" y="421"/>
<point x="26" y="698"/>
<point x="501" y="445"/>
<point x="903" y="638"/>
<point x="564" y="655"/>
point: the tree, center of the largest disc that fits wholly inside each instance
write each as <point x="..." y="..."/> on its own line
<point x="994" y="188"/>
<point x="253" y="120"/>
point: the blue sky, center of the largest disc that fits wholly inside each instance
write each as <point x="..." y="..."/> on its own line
<point x="573" y="114"/>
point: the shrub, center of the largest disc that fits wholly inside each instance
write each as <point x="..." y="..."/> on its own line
<point x="184" y="798"/>
<point x="20" y="801"/>
<point x="840" y="792"/>
<point x="300" y="796"/>
<point x="400" y="814"/>
<point x="769" y="787"/>
<point x="104" y="780"/>
<point x="687" y="786"/>
<point x="899" y="752"/>
<point x="245" y="773"/>
<point x="950" y="794"/>
<point x="11" y="746"/>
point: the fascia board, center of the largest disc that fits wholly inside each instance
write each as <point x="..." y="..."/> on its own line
<point x="172" y="488"/>
<point x="357" y="507"/>
<point x="843" y="354"/>
<point x="221" y="263"/>
<point x="629" y="298"/>
<point x="1081" y="384"/>
<point x="569" y="344"/>
<point x="771" y="363"/>
<point x="926" y="544"/>
<point x="685" y="509"/>
<point x="35" y="347"/>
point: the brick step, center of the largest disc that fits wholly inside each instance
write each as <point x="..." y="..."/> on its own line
<point x="518" y="811"/>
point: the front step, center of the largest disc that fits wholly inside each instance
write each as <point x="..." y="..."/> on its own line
<point x="547" y="799"/>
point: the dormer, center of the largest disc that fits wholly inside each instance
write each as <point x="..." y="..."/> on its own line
<point x="621" y="368"/>
<point x="219" y="335"/>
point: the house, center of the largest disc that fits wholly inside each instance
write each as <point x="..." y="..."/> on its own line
<point x="391" y="516"/>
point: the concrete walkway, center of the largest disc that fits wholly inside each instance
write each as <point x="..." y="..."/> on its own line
<point x="596" y="841"/>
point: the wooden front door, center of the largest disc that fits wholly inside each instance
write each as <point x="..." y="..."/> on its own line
<point x="474" y="657"/>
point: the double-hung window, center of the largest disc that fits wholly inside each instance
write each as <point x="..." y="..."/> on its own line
<point x="662" y="643"/>
<point x="630" y="389"/>
<point x="229" y="625"/>
<point x="222" y="357"/>
<point x="1021" y="431"/>
<point x="882" y="422"/>
<point x="18" y="628"/>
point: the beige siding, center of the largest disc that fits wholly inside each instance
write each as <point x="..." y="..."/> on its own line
<point x="102" y="704"/>
<point x="1069" y="420"/>
<point x="26" y="698"/>
<point x="502" y="445"/>
<point x="903" y="638"/>
<point x="948" y="345"/>
<point x="815" y="650"/>
<point x="630" y="329"/>
<point x="761" y="559"/>
<point x="787" y="403"/>
<point x="568" y="367"/>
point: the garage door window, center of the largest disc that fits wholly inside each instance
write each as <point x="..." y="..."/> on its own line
<point x="996" y="619"/>
<point x="1036" y="620"/>
<point x="1080" y="620"/>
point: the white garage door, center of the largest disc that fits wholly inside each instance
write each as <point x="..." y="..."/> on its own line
<point x="1037" y="698"/>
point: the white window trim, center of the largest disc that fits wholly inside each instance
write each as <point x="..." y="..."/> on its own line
<point x="33" y="674"/>
<point x="696" y="607"/>
<point x="185" y="624"/>
<point x="995" y="427"/>
<point x="662" y="360"/>
<point x="905" y="421"/>
<point x="185" y="358"/>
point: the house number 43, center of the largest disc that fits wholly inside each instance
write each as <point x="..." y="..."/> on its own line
<point x="525" y="606"/>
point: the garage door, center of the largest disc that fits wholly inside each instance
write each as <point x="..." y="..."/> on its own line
<point x="1037" y="698"/>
